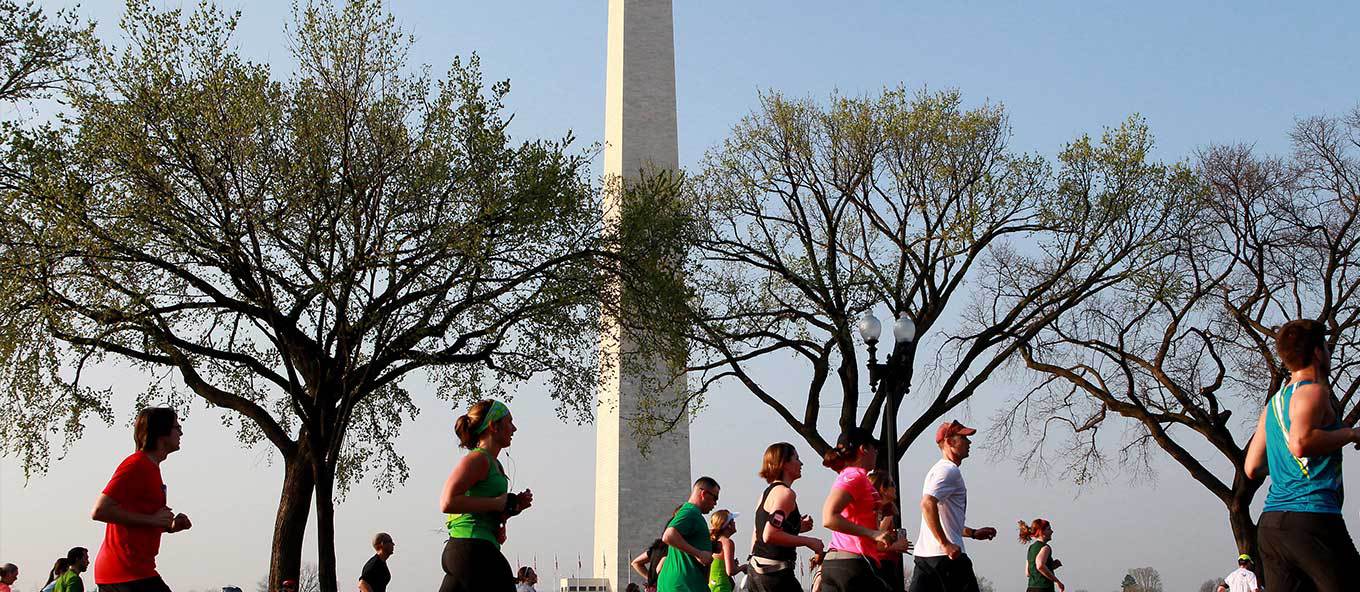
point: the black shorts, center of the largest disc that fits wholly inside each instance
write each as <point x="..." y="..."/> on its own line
<point x="475" y="565"/>
<point x="1303" y="551"/>
<point x="155" y="584"/>
<point x="851" y="575"/>
<point x="783" y="580"/>
<point x="942" y="574"/>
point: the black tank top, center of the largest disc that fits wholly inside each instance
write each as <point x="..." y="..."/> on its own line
<point x="792" y="524"/>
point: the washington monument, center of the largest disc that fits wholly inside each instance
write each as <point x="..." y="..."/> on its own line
<point x="635" y="494"/>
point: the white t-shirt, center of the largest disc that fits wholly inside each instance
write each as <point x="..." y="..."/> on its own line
<point x="944" y="482"/>
<point x="1241" y="580"/>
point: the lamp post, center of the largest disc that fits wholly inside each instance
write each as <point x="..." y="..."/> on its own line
<point x="894" y="377"/>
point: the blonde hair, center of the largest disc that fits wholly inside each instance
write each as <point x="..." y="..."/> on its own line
<point x="718" y="521"/>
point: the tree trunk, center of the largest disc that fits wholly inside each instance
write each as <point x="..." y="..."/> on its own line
<point x="290" y="523"/>
<point x="325" y="524"/>
<point x="1239" y="518"/>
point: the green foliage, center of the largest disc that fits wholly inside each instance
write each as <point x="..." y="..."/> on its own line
<point x="292" y="249"/>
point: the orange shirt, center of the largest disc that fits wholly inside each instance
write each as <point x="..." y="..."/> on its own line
<point x="129" y="552"/>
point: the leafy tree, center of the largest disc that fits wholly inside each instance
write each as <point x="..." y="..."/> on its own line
<point x="985" y="585"/>
<point x="1210" y="585"/>
<point x="38" y="53"/>
<point x="291" y="250"/>
<point x="811" y="214"/>
<point x="1185" y="354"/>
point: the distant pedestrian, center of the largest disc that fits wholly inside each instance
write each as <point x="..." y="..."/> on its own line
<point x="722" y="524"/>
<point x="1039" y="561"/>
<point x="1242" y="579"/>
<point x="1302" y="536"/>
<point x="132" y="506"/>
<point x="477" y="499"/>
<point x="779" y="526"/>
<point x="77" y="561"/>
<point x="648" y="563"/>
<point x="57" y="569"/>
<point x="375" y="575"/>
<point x="8" y="574"/>
<point x="525" y="579"/>
<point x="890" y="568"/>
<point x="691" y="551"/>
<point x="941" y="563"/>
<point x="632" y="587"/>
<point x="851" y="512"/>
<point x="289" y="586"/>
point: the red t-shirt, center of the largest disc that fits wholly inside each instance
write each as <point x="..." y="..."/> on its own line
<point x="129" y="552"/>
<point x="862" y="510"/>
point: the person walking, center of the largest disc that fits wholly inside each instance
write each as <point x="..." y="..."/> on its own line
<point x="648" y="563"/>
<point x="941" y="562"/>
<point x="477" y="500"/>
<point x="691" y="551"/>
<point x="1242" y="579"/>
<point x="133" y="508"/>
<point x="851" y="512"/>
<point x="1039" y="561"/>
<point x="375" y="575"/>
<point x="722" y="524"/>
<point x="57" y="569"/>
<point x="8" y="574"/>
<point x="1302" y="535"/>
<point x="779" y="526"/>
<point x="77" y="561"/>
<point x="525" y="579"/>
<point x="890" y="568"/>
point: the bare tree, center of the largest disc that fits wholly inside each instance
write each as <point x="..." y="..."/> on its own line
<point x="814" y="213"/>
<point x="1144" y="579"/>
<point x="1179" y="350"/>
<point x="1210" y="585"/>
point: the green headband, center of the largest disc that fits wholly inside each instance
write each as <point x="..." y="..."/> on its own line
<point x="498" y="410"/>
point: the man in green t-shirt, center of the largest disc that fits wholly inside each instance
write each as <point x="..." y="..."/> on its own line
<point x="690" y="553"/>
<point x="79" y="558"/>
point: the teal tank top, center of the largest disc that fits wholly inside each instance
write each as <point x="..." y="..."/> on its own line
<point x="480" y="525"/>
<point x="1311" y="484"/>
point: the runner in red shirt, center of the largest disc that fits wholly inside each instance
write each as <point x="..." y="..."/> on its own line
<point x="133" y="507"/>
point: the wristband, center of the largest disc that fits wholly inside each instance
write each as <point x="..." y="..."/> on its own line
<point x="511" y="505"/>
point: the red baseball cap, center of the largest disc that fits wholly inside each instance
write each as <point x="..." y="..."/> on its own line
<point x="290" y="583"/>
<point x="952" y="428"/>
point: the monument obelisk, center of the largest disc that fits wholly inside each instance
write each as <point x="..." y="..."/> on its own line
<point x="635" y="493"/>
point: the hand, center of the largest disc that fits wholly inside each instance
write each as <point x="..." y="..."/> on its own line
<point x="526" y="499"/>
<point x="164" y="518"/>
<point x="816" y="546"/>
<point x="180" y="522"/>
<point x="952" y="551"/>
<point x="705" y="557"/>
<point x="885" y="538"/>
<point x="500" y="534"/>
<point x="805" y="525"/>
<point x="984" y="534"/>
<point x="1055" y="564"/>
<point x="1061" y="587"/>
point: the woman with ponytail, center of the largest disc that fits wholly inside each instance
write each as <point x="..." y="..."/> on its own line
<point x="858" y="545"/>
<point x="1039" y="562"/>
<point x="478" y="502"/>
<point x="722" y="524"/>
<point x="779" y="526"/>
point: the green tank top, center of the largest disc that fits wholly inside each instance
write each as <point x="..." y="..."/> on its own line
<point x="1036" y="579"/>
<point x="718" y="580"/>
<point x="480" y="525"/>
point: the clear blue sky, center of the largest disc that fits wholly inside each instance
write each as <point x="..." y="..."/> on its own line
<point x="1199" y="72"/>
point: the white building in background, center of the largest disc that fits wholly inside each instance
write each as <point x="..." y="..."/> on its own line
<point x="635" y="494"/>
